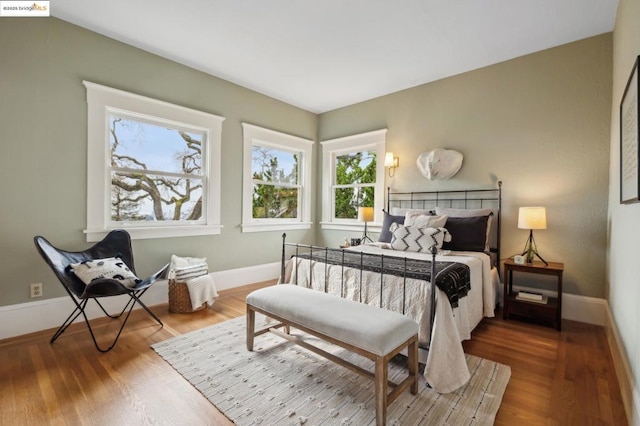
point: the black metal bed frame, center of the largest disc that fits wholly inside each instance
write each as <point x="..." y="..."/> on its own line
<point x="463" y="199"/>
<point x="472" y="198"/>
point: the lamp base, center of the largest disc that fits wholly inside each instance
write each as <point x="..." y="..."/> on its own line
<point x="531" y="249"/>
<point x="365" y="237"/>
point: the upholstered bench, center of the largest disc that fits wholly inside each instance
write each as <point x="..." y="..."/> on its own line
<point x="372" y="332"/>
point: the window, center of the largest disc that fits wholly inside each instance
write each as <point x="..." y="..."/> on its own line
<point x="156" y="172"/>
<point x="276" y="180"/>
<point x="353" y="183"/>
<point x="353" y="176"/>
<point x="154" y="167"/>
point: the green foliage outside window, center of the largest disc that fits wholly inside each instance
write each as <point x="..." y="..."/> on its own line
<point x="354" y="183"/>
<point x="275" y="183"/>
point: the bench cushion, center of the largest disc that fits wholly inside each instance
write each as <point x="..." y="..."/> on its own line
<point x="373" y="329"/>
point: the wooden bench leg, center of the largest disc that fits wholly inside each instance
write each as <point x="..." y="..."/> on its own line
<point x="412" y="360"/>
<point x="381" y="390"/>
<point x="251" y="322"/>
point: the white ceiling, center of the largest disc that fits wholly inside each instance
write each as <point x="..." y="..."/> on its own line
<point x="324" y="54"/>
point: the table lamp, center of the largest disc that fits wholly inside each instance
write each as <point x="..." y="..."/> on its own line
<point x="365" y="214"/>
<point x="532" y="218"/>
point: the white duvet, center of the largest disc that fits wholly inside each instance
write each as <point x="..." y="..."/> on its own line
<point x="446" y="369"/>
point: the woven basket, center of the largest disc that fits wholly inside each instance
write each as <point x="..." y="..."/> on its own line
<point x="179" y="300"/>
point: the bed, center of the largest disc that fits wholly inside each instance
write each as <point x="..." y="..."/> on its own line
<point x="395" y="272"/>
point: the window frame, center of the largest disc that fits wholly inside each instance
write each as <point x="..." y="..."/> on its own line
<point x="102" y="101"/>
<point x="370" y="141"/>
<point x="251" y="135"/>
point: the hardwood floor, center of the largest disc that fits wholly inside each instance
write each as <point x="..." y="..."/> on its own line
<point x="557" y="378"/>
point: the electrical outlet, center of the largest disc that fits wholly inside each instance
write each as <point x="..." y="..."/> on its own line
<point x="36" y="290"/>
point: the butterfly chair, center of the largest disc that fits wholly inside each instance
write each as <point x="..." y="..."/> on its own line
<point x="117" y="244"/>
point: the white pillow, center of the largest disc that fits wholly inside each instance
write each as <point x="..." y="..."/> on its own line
<point x="409" y="238"/>
<point x="181" y="262"/>
<point x="401" y="211"/>
<point x="178" y="262"/>
<point x="463" y="212"/>
<point x="112" y="267"/>
<point x="420" y="220"/>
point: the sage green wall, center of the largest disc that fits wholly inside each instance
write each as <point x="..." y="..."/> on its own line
<point x="539" y="123"/>
<point x="43" y="152"/>
<point x="624" y="231"/>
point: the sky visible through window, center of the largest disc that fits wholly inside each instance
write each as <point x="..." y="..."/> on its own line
<point x="154" y="145"/>
<point x="261" y="157"/>
<point x="160" y="149"/>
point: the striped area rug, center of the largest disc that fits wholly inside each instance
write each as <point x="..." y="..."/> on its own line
<point x="280" y="383"/>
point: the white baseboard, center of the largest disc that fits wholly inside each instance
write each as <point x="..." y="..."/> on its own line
<point x="591" y="310"/>
<point x="232" y="278"/>
<point x="629" y="392"/>
<point x="24" y="318"/>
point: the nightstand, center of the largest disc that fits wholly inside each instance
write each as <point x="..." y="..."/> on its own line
<point x="550" y="312"/>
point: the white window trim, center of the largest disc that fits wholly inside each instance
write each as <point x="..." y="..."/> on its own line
<point x="267" y="137"/>
<point x="376" y="141"/>
<point x="100" y="101"/>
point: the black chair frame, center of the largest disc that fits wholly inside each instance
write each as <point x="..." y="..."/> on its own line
<point x="116" y="244"/>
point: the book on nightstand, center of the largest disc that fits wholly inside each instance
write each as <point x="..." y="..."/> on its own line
<point x="532" y="297"/>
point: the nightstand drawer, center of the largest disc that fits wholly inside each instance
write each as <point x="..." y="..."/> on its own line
<point x="533" y="310"/>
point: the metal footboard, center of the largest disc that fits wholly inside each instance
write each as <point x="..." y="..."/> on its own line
<point x="338" y="259"/>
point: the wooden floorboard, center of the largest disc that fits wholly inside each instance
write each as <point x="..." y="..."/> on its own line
<point x="557" y="378"/>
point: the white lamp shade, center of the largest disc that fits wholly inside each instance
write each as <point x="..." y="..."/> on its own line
<point x="532" y="218"/>
<point x="365" y="214"/>
<point x="388" y="160"/>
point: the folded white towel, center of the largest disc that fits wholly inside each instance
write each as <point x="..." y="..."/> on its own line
<point x="202" y="289"/>
<point x="191" y="271"/>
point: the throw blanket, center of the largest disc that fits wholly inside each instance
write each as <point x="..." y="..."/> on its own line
<point x="201" y="289"/>
<point x="453" y="278"/>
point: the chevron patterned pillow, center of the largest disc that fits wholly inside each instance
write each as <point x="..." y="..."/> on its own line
<point x="409" y="238"/>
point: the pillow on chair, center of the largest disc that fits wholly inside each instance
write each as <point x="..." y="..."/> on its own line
<point x="112" y="267"/>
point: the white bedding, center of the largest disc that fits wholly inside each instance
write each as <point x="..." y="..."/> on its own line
<point x="446" y="368"/>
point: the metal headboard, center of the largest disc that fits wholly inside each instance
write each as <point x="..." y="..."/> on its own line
<point x="459" y="199"/>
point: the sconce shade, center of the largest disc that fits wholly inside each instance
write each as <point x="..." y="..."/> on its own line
<point x="365" y="214"/>
<point x="532" y="218"/>
<point x="389" y="161"/>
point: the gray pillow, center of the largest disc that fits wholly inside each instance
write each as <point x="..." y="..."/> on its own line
<point x="385" y="234"/>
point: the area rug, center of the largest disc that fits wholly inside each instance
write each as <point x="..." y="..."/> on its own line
<point x="280" y="383"/>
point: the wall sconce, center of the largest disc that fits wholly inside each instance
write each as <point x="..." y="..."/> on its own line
<point x="391" y="162"/>
<point x="365" y="214"/>
<point x="532" y="218"/>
